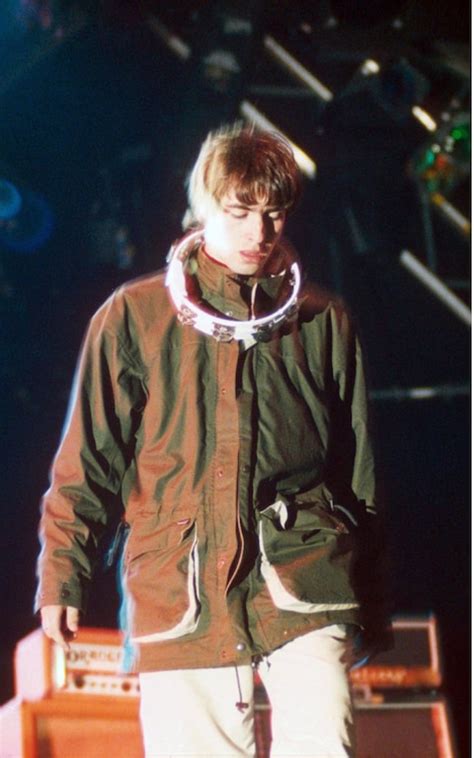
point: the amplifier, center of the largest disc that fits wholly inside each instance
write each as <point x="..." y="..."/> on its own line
<point x="80" y="703"/>
<point x="97" y="727"/>
<point x="70" y="728"/>
<point x="410" y="728"/>
<point x="414" y="661"/>
<point x="93" y="665"/>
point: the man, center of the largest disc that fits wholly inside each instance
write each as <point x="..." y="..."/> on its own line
<point x="219" y="409"/>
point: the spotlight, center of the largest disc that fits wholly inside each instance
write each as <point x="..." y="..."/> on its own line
<point x="10" y="200"/>
<point x="26" y="219"/>
<point x="445" y="161"/>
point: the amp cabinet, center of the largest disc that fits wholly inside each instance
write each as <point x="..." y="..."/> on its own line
<point x="415" y="728"/>
<point x="80" y="704"/>
<point x="70" y="727"/>
<point x="74" y="704"/>
<point x="399" y="729"/>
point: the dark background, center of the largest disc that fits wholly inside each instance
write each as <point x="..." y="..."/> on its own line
<point x="100" y="120"/>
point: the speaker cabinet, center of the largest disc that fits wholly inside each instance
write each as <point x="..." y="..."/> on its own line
<point x="403" y="729"/>
<point x="70" y="728"/>
<point x="73" y="727"/>
<point x="79" y="705"/>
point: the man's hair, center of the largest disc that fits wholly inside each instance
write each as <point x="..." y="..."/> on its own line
<point x="258" y="165"/>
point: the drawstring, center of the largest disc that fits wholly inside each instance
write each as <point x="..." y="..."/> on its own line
<point x="240" y="705"/>
<point x="253" y="296"/>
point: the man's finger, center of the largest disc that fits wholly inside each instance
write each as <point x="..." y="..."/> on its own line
<point x="72" y="619"/>
<point x="52" y="621"/>
<point x="59" y="623"/>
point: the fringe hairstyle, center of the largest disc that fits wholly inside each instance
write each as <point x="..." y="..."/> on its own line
<point x="258" y="165"/>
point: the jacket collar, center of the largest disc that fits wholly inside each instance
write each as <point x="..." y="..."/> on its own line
<point x="230" y="293"/>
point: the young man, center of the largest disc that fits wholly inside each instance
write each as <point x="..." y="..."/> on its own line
<point x="220" y="410"/>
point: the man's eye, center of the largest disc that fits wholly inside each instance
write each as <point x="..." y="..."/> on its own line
<point x="276" y="215"/>
<point x="238" y="214"/>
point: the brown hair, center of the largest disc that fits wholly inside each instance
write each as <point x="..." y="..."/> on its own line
<point x="258" y="165"/>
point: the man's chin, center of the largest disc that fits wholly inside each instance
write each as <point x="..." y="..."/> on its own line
<point x="251" y="265"/>
<point x="247" y="269"/>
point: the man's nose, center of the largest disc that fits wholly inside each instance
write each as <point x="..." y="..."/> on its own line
<point x="258" y="231"/>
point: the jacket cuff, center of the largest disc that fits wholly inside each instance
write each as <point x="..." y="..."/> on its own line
<point x="65" y="594"/>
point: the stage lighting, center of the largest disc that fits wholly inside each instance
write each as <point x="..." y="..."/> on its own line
<point x="30" y="226"/>
<point x="10" y="200"/>
<point x="399" y="88"/>
<point x="445" y="161"/>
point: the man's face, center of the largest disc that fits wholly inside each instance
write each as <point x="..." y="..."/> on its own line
<point x="243" y="237"/>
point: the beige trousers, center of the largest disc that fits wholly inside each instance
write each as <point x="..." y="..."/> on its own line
<point x="209" y="713"/>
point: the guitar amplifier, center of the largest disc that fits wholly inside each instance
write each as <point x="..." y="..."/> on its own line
<point x="71" y="704"/>
<point x="65" y="699"/>
<point x="94" y="727"/>
<point x="413" y="663"/>
<point x="70" y="727"/>
<point x="92" y="666"/>
<point x="409" y="728"/>
<point x="404" y="728"/>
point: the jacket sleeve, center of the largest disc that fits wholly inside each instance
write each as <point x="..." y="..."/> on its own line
<point x="354" y="480"/>
<point x="351" y="468"/>
<point x="95" y="451"/>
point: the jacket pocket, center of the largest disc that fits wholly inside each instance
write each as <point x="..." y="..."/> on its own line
<point x="162" y="582"/>
<point x="306" y="556"/>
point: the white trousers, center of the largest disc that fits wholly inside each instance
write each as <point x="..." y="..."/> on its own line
<point x="209" y="713"/>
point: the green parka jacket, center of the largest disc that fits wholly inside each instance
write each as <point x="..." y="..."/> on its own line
<point x="243" y="475"/>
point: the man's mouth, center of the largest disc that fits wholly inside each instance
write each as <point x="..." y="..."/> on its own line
<point x="253" y="256"/>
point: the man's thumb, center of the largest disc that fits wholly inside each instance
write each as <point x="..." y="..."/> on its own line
<point x="72" y="619"/>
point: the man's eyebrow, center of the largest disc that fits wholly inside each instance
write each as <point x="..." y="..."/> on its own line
<point x="243" y="206"/>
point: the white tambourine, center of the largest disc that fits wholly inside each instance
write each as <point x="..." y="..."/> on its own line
<point x="222" y="329"/>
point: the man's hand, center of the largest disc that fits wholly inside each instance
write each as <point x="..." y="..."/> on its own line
<point x="60" y="623"/>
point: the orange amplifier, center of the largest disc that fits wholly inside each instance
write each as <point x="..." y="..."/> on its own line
<point x="80" y="703"/>
<point x="93" y="665"/>
<point x="414" y="727"/>
<point x="70" y="727"/>
<point x="414" y="661"/>
<point x="75" y="703"/>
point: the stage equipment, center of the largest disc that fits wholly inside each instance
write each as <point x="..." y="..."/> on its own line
<point x="27" y="230"/>
<point x="223" y="329"/>
<point x="70" y="728"/>
<point x="305" y="163"/>
<point x="415" y="728"/>
<point x="399" y="88"/>
<point x="424" y="118"/>
<point x="398" y="712"/>
<point x="75" y="703"/>
<point x="285" y="59"/>
<point x="412" y="663"/>
<point x="436" y="286"/>
<point x="10" y="200"/>
<point x="421" y="393"/>
<point x="93" y="665"/>
<point x="440" y="166"/>
<point x="366" y="14"/>
<point x="183" y="51"/>
<point x="172" y="41"/>
<point x="80" y="703"/>
<point x="444" y="162"/>
<point x="227" y="40"/>
<point x="410" y="728"/>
